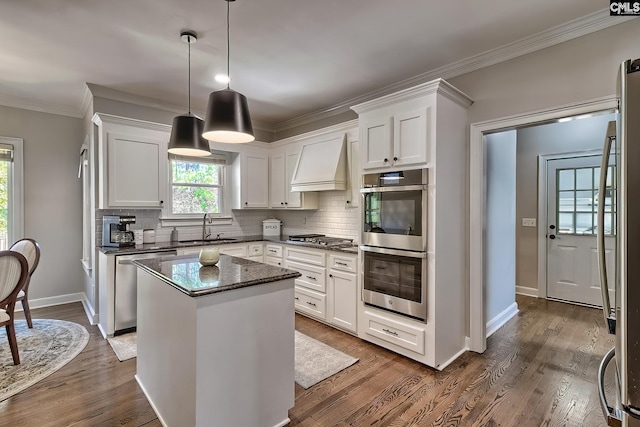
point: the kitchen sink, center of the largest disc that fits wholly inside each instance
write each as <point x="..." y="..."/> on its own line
<point x="200" y="242"/>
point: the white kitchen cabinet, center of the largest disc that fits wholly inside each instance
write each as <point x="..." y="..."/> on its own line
<point x="310" y="291"/>
<point x="342" y="292"/>
<point x="282" y="164"/>
<point x="273" y="254"/>
<point x="395" y="141"/>
<point x="233" y="249"/>
<point x="255" y="180"/>
<point x="132" y="163"/>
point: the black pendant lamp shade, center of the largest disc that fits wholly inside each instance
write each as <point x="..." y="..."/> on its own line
<point x="186" y="136"/>
<point x="186" y="133"/>
<point x="228" y="118"/>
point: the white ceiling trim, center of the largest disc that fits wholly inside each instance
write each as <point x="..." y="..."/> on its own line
<point x="577" y="28"/>
<point x="574" y="29"/>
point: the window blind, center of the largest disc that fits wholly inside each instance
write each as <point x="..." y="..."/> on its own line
<point x="6" y="153"/>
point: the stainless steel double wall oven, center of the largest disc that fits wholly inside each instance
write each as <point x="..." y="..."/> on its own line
<point x="394" y="241"/>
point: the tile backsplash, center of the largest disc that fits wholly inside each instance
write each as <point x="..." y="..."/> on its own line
<point x="331" y="218"/>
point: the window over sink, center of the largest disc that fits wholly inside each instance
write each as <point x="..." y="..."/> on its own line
<point x="197" y="185"/>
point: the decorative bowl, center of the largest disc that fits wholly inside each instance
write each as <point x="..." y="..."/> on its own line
<point x="209" y="256"/>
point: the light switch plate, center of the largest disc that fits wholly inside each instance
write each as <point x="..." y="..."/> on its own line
<point x="528" y="222"/>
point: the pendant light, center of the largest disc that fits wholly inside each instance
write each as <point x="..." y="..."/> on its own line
<point x="228" y="118"/>
<point x="186" y="133"/>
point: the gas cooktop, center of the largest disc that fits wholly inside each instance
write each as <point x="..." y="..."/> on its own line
<point x="320" y="239"/>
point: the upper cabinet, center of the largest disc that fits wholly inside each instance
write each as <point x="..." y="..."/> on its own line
<point x="399" y="130"/>
<point x="282" y="163"/>
<point x="254" y="181"/>
<point x="132" y="165"/>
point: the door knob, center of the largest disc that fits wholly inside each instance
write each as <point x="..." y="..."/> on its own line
<point x="552" y="236"/>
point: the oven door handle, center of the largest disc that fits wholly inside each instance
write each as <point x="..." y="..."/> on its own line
<point x="417" y="187"/>
<point x="397" y="252"/>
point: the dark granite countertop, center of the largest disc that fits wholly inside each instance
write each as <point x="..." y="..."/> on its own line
<point x="186" y="274"/>
<point x="168" y="246"/>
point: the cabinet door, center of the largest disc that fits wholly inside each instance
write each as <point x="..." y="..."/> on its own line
<point x="137" y="170"/>
<point x="255" y="181"/>
<point x="353" y="186"/>
<point x="376" y="143"/>
<point x="293" y="198"/>
<point x="342" y="299"/>
<point x="277" y="181"/>
<point x="410" y="144"/>
<point x="234" y="250"/>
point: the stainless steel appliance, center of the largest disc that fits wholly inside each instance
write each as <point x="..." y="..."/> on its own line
<point x="126" y="290"/>
<point x="115" y="230"/>
<point x="394" y="241"/>
<point x="394" y="209"/>
<point x="623" y="318"/>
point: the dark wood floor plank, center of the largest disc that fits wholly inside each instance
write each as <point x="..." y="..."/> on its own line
<point x="539" y="370"/>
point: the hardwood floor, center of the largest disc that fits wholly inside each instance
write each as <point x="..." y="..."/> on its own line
<point x="539" y="370"/>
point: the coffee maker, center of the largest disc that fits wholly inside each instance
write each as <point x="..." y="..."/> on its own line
<point x="115" y="230"/>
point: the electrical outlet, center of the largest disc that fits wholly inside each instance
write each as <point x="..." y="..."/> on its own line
<point x="528" y="222"/>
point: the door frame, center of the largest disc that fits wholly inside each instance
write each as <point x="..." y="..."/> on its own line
<point x="478" y="194"/>
<point x="543" y="169"/>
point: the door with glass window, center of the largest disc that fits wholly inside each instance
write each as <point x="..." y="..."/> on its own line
<point x="572" y="203"/>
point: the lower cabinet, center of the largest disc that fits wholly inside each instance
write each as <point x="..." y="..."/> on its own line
<point x="329" y="295"/>
<point x="401" y="334"/>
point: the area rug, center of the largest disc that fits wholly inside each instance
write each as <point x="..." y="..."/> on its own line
<point x="47" y="347"/>
<point x="124" y="346"/>
<point x="314" y="361"/>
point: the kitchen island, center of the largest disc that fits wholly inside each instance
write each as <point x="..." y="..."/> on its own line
<point x="216" y="343"/>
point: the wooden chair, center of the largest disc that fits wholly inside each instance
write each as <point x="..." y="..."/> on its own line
<point x="14" y="273"/>
<point x="30" y="249"/>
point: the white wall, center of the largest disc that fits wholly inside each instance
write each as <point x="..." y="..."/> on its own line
<point x="52" y="196"/>
<point x="500" y="232"/>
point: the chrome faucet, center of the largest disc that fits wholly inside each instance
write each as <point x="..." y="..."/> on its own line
<point x="205" y="235"/>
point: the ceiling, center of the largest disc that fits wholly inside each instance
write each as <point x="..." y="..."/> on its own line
<point x="291" y="58"/>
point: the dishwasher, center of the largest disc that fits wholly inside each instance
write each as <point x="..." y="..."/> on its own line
<point x="126" y="290"/>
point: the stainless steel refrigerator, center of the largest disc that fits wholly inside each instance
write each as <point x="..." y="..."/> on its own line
<point x="623" y="313"/>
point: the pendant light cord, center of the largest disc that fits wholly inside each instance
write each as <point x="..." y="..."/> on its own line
<point x="228" y="47"/>
<point x="189" y="43"/>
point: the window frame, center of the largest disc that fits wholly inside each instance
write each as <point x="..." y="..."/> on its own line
<point x="219" y="160"/>
<point x="15" y="220"/>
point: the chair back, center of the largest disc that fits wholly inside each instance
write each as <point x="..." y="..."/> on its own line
<point x="14" y="272"/>
<point x="30" y="249"/>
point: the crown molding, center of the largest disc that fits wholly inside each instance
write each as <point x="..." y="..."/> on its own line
<point x="577" y="28"/>
<point x="348" y="127"/>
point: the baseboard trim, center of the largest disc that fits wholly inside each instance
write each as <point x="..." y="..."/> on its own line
<point x="502" y="318"/>
<point x="153" y="406"/>
<point x="530" y="292"/>
<point x="80" y="297"/>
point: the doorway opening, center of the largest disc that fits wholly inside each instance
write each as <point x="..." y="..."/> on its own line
<point x="482" y="237"/>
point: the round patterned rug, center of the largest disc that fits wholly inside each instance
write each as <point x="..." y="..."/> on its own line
<point x="47" y="347"/>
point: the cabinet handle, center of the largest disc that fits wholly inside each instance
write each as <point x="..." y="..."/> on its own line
<point x="311" y="304"/>
<point x="246" y="203"/>
<point x="390" y="332"/>
<point x="282" y="203"/>
<point x="286" y="203"/>
<point x="311" y="277"/>
<point x="386" y="160"/>
<point x="348" y="201"/>
<point x="344" y="264"/>
<point x="296" y="298"/>
<point x="331" y="275"/>
<point x="161" y="202"/>
<point x="395" y="159"/>
<point x="279" y="264"/>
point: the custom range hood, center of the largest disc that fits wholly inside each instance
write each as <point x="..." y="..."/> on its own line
<point x="322" y="165"/>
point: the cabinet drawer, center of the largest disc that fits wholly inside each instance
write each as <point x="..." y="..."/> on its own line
<point x="256" y="258"/>
<point x="306" y="256"/>
<point x="273" y="251"/>
<point x="312" y="277"/>
<point x="239" y="251"/>
<point x="343" y="263"/>
<point x="255" y="249"/>
<point x="273" y="261"/>
<point x="310" y="302"/>
<point x="400" y="334"/>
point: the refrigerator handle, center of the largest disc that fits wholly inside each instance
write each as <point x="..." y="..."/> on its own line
<point x="609" y="316"/>
<point x="612" y="415"/>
